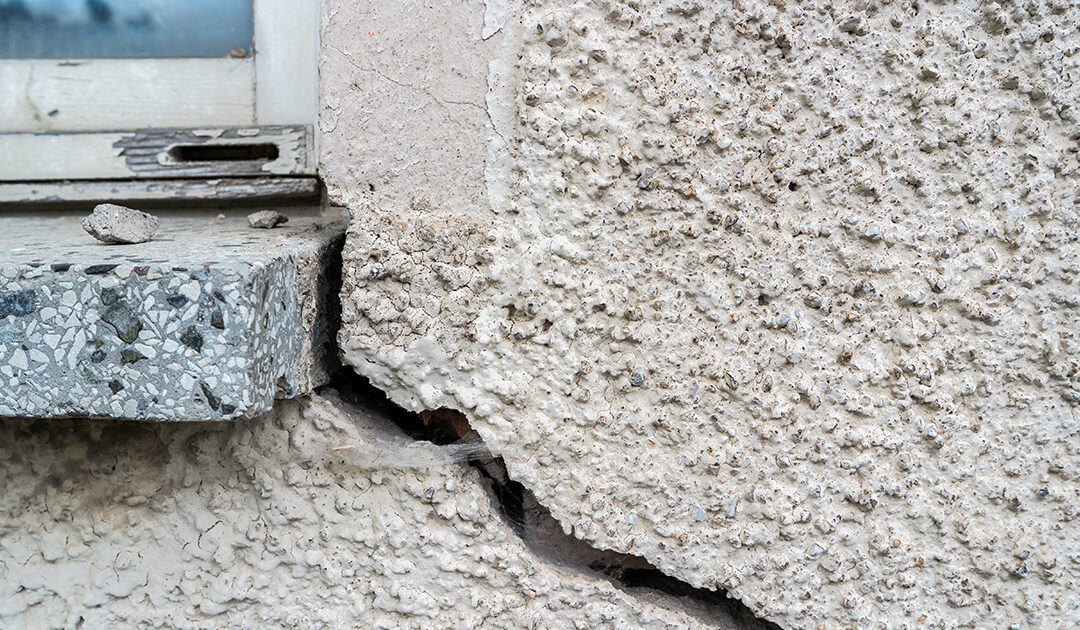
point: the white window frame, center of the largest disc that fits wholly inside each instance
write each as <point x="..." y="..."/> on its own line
<point x="62" y="119"/>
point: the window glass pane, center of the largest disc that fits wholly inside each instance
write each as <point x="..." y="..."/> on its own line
<point x="57" y="29"/>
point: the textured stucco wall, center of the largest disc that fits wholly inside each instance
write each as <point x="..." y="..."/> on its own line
<point x="782" y="296"/>
<point x="262" y="524"/>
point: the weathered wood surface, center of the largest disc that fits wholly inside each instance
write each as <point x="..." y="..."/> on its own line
<point x="102" y="94"/>
<point x="152" y="153"/>
<point x="286" y="61"/>
<point x="19" y="195"/>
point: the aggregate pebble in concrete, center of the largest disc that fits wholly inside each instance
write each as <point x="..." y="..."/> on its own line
<point x="809" y="269"/>
<point x="210" y="321"/>
<point x="110" y="223"/>
<point x="262" y="524"/>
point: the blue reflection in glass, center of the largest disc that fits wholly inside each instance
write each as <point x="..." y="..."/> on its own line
<point x="59" y="29"/>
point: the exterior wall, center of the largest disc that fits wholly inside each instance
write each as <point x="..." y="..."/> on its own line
<point x="782" y="296"/>
<point x="263" y="524"/>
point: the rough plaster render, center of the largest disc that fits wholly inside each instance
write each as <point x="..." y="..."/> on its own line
<point x="780" y="296"/>
<point x="267" y="523"/>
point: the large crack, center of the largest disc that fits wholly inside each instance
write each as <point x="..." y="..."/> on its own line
<point x="532" y="522"/>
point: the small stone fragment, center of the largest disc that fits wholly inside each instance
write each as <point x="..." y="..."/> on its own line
<point x="129" y="355"/>
<point x="211" y="399"/>
<point x="109" y="296"/>
<point x="266" y="219"/>
<point x="18" y="360"/>
<point x="190" y="290"/>
<point x="97" y="270"/>
<point x="110" y="223"/>
<point x="17" y="303"/>
<point x="176" y="300"/>
<point x="192" y="339"/>
<point x="123" y="319"/>
<point x="646" y="179"/>
<point x="11" y="334"/>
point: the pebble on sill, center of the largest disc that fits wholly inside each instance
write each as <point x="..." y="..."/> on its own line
<point x="266" y="219"/>
<point x="118" y="225"/>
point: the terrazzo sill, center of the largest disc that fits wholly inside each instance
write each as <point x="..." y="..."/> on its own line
<point x="211" y="320"/>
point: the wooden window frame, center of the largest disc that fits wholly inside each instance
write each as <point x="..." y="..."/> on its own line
<point x="75" y="119"/>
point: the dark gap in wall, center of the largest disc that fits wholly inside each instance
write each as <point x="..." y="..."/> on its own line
<point x="357" y="390"/>
<point x="328" y="302"/>
<point x="532" y="522"/>
<point x="509" y="494"/>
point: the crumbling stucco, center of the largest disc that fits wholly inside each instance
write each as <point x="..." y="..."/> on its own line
<point x="781" y="296"/>
<point x="262" y="524"/>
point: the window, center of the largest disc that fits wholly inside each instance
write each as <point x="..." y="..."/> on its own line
<point x="48" y="29"/>
<point x="156" y="95"/>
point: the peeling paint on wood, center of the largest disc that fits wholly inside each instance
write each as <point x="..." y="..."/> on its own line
<point x="159" y="190"/>
<point x="153" y="153"/>
<point x="161" y="152"/>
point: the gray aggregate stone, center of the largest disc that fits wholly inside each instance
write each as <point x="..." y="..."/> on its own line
<point x="17" y="303"/>
<point x="192" y="339"/>
<point x="123" y="320"/>
<point x="127" y="355"/>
